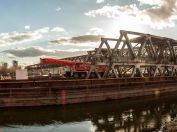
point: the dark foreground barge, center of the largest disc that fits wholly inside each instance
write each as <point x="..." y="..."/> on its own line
<point x="61" y="92"/>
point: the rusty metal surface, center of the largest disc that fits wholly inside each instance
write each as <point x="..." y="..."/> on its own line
<point x="60" y="92"/>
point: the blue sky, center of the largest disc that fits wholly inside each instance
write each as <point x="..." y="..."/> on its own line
<point x="31" y="29"/>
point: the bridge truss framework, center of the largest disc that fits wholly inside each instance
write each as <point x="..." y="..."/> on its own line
<point x="133" y="54"/>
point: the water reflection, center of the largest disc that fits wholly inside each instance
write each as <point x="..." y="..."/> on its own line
<point x="131" y="115"/>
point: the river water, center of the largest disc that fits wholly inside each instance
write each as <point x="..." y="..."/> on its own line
<point x="130" y="115"/>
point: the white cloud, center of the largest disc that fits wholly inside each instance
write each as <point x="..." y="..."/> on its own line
<point x="159" y="16"/>
<point x="43" y="30"/>
<point x="39" y="51"/>
<point x="95" y="31"/>
<point x="58" y="9"/>
<point x="21" y="37"/>
<point x="114" y="11"/>
<point x="27" y="27"/>
<point x="100" y="1"/>
<point x="57" y="29"/>
<point x="15" y="37"/>
<point x="78" y="39"/>
<point x="10" y="56"/>
<point x="150" y="2"/>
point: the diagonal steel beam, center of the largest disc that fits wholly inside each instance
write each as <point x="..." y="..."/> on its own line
<point x="129" y="46"/>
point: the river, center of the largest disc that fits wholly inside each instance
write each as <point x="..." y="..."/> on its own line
<point x="129" y="115"/>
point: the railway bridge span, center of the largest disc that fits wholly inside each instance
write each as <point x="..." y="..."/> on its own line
<point x="133" y="54"/>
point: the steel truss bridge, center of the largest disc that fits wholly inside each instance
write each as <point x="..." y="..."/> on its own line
<point x="133" y="54"/>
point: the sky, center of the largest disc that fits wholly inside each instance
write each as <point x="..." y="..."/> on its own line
<point x="33" y="29"/>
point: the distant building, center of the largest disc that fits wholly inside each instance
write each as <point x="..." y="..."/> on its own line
<point x="4" y="64"/>
<point x="15" y="63"/>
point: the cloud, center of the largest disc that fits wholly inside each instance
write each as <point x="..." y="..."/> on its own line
<point x="100" y="1"/>
<point x="27" y="52"/>
<point x="167" y="9"/>
<point x="10" y="56"/>
<point x="95" y="31"/>
<point x="21" y="37"/>
<point x="114" y="11"/>
<point x="78" y="39"/>
<point x="150" y="2"/>
<point x="38" y="51"/>
<point x="58" y="9"/>
<point x="15" y="37"/>
<point x="159" y="16"/>
<point x="42" y="30"/>
<point x="57" y="29"/>
<point x="163" y="15"/>
<point x="27" y="27"/>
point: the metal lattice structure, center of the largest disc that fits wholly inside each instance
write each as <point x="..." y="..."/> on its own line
<point x="135" y="55"/>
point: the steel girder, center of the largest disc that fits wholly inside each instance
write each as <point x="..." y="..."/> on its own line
<point x="135" y="54"/>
